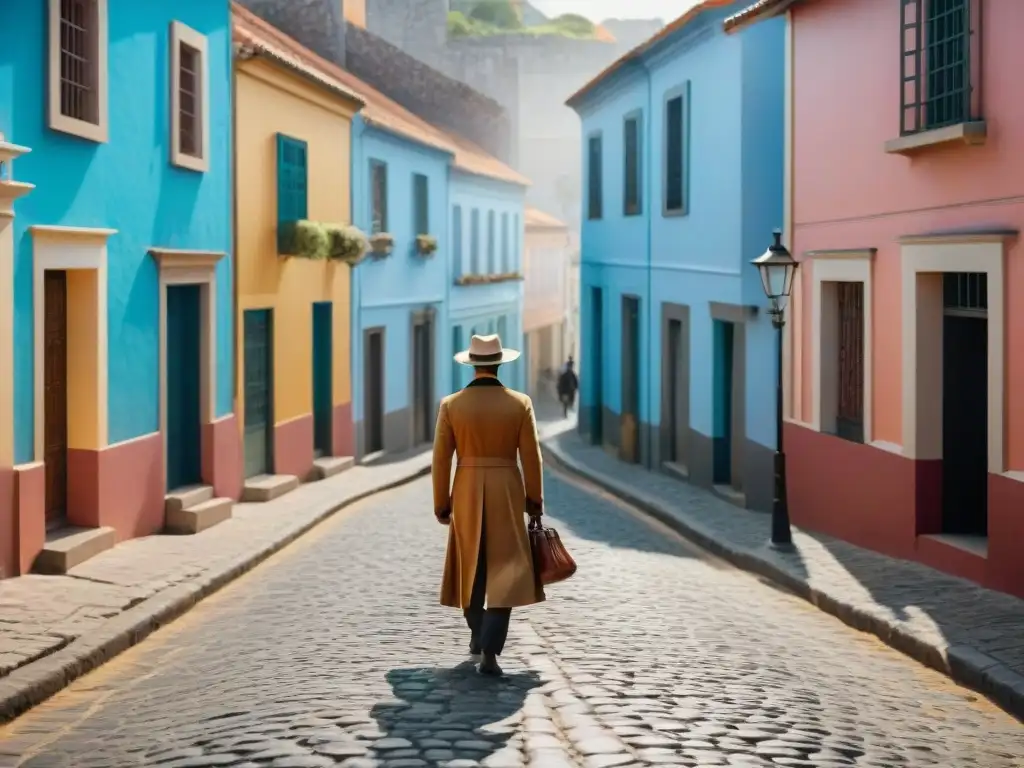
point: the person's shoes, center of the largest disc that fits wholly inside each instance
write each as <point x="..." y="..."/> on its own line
<point x="474" y="648"/>
<point x="489" y="666"/>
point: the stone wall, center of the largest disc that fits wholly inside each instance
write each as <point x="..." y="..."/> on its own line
<point x="317" y="24"/>
<point x="438" y="99"/>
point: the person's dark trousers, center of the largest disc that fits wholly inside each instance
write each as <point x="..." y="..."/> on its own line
<point x="489" y="627"/>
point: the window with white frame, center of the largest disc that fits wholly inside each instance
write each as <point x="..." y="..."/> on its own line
<point x="78" y="76"/>
<point x="190" y="133"/>
<point x="842" y="325"/>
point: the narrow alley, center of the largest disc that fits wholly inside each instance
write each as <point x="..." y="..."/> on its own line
<point x="335" y="652"/>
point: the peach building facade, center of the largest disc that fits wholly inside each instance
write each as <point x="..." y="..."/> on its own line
<point x="905" y="348"/>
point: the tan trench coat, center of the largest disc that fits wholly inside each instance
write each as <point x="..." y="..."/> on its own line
<point x="487" y="425"/>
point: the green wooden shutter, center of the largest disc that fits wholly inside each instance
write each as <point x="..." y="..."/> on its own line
<point x="292" y="185"/>
<point x="421" y="201"/>
<point x="457" y="241"/>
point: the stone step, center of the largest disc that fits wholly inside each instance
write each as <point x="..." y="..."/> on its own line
<point x="268" y="487"/>
<point x="329" y="466"/>
<point x="187" y="496"/>
<point x="198" y="517"/>
<point x="67" y="547"/>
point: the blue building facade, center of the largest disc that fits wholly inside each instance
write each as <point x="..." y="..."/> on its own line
<point x="683" y="158"/>
<point x="120" y="273"/>
<point x="399" y="187"/>
<point x="486" y="258"/>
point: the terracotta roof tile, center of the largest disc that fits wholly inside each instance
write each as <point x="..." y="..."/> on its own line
<point x="755" y="11"/>
<point x="536" y="218"/>
<point x="636" y="53"/>
<point x="250" y="30"/>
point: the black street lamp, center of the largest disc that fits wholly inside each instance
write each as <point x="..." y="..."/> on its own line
<point x="777" y="267"/>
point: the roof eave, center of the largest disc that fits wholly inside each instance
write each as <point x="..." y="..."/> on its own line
<point x="248" y="51"/>
<point x="748" y="16"/>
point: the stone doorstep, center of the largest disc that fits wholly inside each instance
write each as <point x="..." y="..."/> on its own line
<point x="187" y="496"/>
<point x="68" y="547"/>
<point x="199" y="517"/>
<point x="329" y="466"/>
<point x="268" y="487"/>
<point x="966" y="666"/>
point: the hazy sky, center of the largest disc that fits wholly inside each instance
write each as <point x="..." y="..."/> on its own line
<point x="597" y="10"/>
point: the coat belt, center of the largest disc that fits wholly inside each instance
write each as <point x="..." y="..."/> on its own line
<point x="477" y="461"/>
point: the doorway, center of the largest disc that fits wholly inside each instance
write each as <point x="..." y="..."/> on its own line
<point x="422" y="378"/>
<point x="373" y="387"/>
<point x="323" y="378"/>
<point x="595" y="353"/>
<point x="184" y="382"/>
<point x="965" y="404"/>
<point x="676" y="387"/>
<point x="55" y="395"/>
<point x="629" y="438"/>
<point x="729" y="405"/>
<point x="258" y="333"/>
<point x="456" y="367"/>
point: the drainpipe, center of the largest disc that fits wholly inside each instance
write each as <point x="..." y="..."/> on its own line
<point x="648" y="187"/>
<point x="449" y="275"/>
<point x="233" y="159"/>
<point x="355" y="346"/>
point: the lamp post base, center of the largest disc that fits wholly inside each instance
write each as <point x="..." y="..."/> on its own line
<point x="781" y="546"/>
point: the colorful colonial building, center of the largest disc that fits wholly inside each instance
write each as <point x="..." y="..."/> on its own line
<point x="905" y="361"/>
<point x="293" y="135"/>
<point x="683" y="185"/>
<point x="546" y="267"/>
<point x="115" y="274"/>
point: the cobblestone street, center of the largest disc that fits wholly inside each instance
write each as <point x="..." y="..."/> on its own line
<point x="335" y="652"/>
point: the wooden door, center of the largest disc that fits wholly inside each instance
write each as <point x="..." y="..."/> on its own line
<point x="323" y="378"/>
<point x="55" y="395"/>
<point x="630" y="418"/>
<point x="724" y="401"/>
<point x="259" y="391"/>
<point x="596" y="353"/>
<point x="423" y="377"/>
<point x="184" y="448"/>
<point x="679" y="391"/>
<point x="373" y="389"/>
<point x="738" y="408"/>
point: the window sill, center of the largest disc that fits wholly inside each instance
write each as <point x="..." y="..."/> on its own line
<point x="189" y="162"/>
<point x="83" y="129"/>
<point x="972" y="133"/>
<point x="487" y="279"/>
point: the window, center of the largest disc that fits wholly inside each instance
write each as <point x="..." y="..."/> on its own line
<point x="677" y="161"/>
<point x="850" y="395"/>
<point x="78" y="75"/>
<point x="378" y="197"/>
<point x="190" y="103"/>
<point x="491" y="266"/>
<point x="420" y="204"/>
<point x="516" y="255"/>
<point x="457" y="240"/>
<point x="474" y="242"/>
<point x="292" y="184"/>
<point x="504" y="244"/>
<point x="631" y="195"/>
<point x="941" y="64"/>
<point x="594" y="181"/>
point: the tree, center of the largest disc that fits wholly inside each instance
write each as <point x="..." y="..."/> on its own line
<point x="500" y="13"/>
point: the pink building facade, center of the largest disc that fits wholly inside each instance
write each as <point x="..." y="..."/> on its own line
<point x="904" y="360"/>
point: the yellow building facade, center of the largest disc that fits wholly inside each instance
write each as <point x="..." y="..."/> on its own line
<point x="293" y="371"/>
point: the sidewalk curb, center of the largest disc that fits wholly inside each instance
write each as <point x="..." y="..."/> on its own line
<point x="961" y="663"/>
<point x="37" y="681"/>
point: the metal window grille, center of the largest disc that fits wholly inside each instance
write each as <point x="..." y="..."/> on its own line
<point x="190" y="140"/>
<point x="850" y="406"/>
<point x="379" y="184"/>
<point x="421" y="203"/>
<point x="965" y="293"/>
<point x="941" y="56"/>
<point x="78" y="54"/>
<point x="674" y="154"/>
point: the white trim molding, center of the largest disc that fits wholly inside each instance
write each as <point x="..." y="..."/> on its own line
<point x="923" y="260"/>
<point x="70" y="249"/>
<point x="184" y="35"/>
<point x="93" y="131"/>
<point x="850" y="266"/>
<point x="178" y="267"/>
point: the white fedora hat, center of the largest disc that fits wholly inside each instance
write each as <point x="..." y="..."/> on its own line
<point x="486" y="350"/>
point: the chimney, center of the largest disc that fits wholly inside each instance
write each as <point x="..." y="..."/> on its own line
<point x="354" y="12"/>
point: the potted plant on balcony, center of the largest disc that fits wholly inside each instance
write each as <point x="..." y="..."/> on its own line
<point x="304" y="239"/>
<point x="426" y="245"/>
<point x="381" y="244"/>
<point x="346" y="243"/>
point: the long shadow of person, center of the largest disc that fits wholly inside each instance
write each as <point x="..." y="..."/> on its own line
<point x="448" y="714"/>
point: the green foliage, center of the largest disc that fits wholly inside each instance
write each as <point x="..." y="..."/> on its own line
<point x="306" y="239"/>
<point x="347" y="243"/>
<point x="497" y="13"/>
<point x="426" y="245"/>
<point x="574" y="25"/>
<point x="460" y="26"/>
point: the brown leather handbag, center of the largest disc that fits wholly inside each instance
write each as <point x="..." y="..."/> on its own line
<point x="551" y="560"/>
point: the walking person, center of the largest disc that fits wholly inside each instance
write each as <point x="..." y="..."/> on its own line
<point x="568" y="385"/>
<point x="489" y="569"/>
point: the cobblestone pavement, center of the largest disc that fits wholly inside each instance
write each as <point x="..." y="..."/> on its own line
<point x="335" y="652"/>
<point x="40" y="615"/>
<point x="975" y="634"/>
